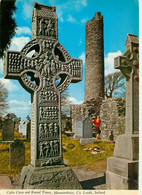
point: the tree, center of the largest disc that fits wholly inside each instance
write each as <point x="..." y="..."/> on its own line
<point x="115" y="85"/>
<point x="7" y="24"/>
<point x="3" y="97"/>
<point x="65" y="102"/>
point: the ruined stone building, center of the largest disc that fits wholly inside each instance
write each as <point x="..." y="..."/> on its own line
<point x="94" y="85"/>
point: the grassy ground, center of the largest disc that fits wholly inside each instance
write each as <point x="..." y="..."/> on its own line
<point x="5" y="168"/>
<point x="73" y="153"/>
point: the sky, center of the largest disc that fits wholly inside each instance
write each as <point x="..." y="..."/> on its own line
<point x="120" y="18"/>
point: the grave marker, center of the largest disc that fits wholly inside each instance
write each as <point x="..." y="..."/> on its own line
<point x="8" y="130"/>
<point x="23" y="128"/>
<point x="87" y="132"/>
<point x="17" y="154"/>
<point x="78" y="127"/>
<point x="29" y="130"/>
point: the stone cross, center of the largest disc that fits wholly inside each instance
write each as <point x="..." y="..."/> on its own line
<point x="38" y="66"/>
<point x="128" y="63"/>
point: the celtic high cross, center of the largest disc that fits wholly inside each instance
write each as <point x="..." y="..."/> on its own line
<point x="123" y="166"/>
<point x="128" y="63"/>
<point x="38" y="75"/>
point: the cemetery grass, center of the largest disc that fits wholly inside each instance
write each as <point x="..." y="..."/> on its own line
<point x="5" y="168"/>
<point x="80" y="156"/>
<point x="73" y="153"/>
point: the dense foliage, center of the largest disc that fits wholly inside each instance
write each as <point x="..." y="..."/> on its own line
<point x="7" y="24"/>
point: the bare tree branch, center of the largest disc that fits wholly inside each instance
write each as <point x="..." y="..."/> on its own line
<point x="3" y="97"/>
<point x="115" y="85"/>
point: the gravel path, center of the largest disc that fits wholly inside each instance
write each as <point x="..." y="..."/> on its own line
<point x="88" y="180"/>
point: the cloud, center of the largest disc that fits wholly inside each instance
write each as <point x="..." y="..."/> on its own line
<point x="18" y="43"/>
<point x="9" y="84"/>
<point x="59" y="13"/>
<point x="79" y="4"/>
<point x="27" y="10"/>
<point x="82" y="57"/>
<point x="20" y="108"/>
<point x="109" y="62"/>
<point x="1" y="66"/>
<point x="84" y="20"/>
<point x="84" y="2"/>
<point x="23" y="30"/>
<point x="71" y="19"/>
<point x="21" y="103"/>
<point x="74" y="101"/>
<point x="67" y="6"/>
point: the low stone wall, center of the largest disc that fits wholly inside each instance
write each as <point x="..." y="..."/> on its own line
<point x="112" y="115"/>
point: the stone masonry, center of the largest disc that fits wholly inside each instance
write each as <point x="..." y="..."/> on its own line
<point x="112" y="115"/>
<point x="94" y="65"/>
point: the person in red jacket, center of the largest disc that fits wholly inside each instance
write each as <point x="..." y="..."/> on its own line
<point x="97" y="123"/>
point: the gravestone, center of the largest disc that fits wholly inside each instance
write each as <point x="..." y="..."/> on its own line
<point x="29" y="130"/>
<point x="8" y="131"/>
<point x="87" y="132"/>
<point x="16" y="126"/>
<point x="38" y="73"/>
<point x="78" y="127"/>
<point x="122" y="168"/>
<point x="17" y="154"/>
<point x="23" y="128"/>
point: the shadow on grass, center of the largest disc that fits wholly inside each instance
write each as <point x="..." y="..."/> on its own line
<point x="92" y="183"/>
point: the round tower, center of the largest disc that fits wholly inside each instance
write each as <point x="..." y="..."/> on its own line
<point x="94" y="70"/>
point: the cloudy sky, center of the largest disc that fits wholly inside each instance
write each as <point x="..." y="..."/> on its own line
<point x="120" y="18"/>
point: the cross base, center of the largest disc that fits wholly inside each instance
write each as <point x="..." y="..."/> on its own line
<point x="122" y="168"/>
<point x="52" y="177"/>
<point x="118" y="182"/>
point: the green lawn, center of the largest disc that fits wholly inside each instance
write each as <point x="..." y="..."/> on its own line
<point x="73" y="153"/>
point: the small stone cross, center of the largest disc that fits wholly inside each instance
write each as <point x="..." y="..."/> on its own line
<point x="128" y="63"/>
<point x="38" y="74"/>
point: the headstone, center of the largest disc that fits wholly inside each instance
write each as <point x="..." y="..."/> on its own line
<point x="23" y="127"/>
<point x="87" y="132"/>
<point x="16" y="126"/>
<point x="8" y="130"/>
<point x="38" y="75"/>
<point x="87" y="128"/>
<point x="122" y="168"/>
<point x="78" y="127"/>
<point x="17" y="154"/>
<point x="29" y="130"/>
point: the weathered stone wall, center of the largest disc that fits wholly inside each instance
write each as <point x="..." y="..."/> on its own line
<point x="112" y="117"/>
<point x="94" y="63"/>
